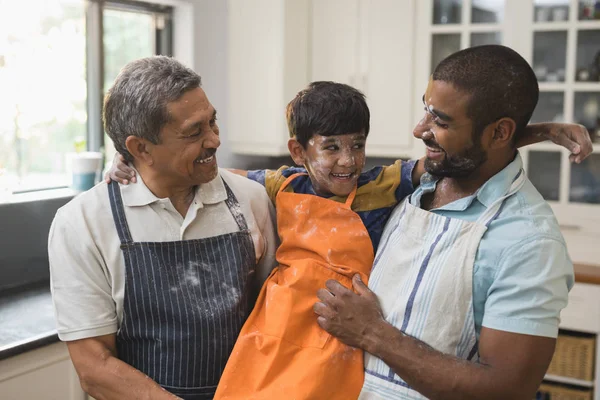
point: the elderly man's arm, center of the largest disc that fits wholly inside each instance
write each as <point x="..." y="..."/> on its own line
<point x="104" y="376"/>
<point x="573" y="137"/>
<point x="85" y="312"/>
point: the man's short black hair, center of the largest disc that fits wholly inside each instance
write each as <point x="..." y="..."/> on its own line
<point x="501" y="84"/>
<point x="327" y="109"/>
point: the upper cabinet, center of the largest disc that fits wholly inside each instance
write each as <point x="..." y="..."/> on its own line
<point x="561" y="41"/>
<point x="268" y="65"/>
<point x="277" y="47"/>
<point x="369" y="44"/>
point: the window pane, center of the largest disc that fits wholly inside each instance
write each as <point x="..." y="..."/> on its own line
<point x="588" y="55"/>
<point x="442" y="45"/>
<point x="587" y="112"/>
<point x="549" y="55"/>
<point x="585" y="181"/>
<point x="43" y="101"/>
<point x="547" y="11"/>
<point x="487" y="11"/>
<point x="479" y="39"/>
<point x="589" y="9"/>
<point x="543" y="170"/>
<point x="549" y="107"/>
<point x="447" y="11"/>
<point x="127" y="37"/>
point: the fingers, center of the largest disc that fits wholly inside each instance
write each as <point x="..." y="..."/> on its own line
<point x="337" y="288"/>
<point x="120" y="176"/>
<point x="359" y="286"/>
<point x="569" y="144"/>
<point x="585" y="144"/>
<point x="323" y="310"/>
<point x="327" y="298"/>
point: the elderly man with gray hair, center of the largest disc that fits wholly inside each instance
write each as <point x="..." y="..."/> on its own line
<point x="150" y="297"/>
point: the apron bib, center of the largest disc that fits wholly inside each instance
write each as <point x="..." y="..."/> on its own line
<point x="184" y="303"/>
<point x="282" y="353"/>
<point x="423" y="278"/>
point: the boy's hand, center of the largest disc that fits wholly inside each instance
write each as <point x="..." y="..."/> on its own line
<point x="120" y="171"/>
<point x="573" y="137"/>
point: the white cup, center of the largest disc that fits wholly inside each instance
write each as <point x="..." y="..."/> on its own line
<point x="85" y="168"/>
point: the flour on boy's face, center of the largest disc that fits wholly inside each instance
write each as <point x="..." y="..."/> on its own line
<point x="334" y="163"/>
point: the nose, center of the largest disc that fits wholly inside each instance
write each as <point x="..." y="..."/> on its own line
<point x="213" y="141"/>
<point x="346" y="159"/>
<point x="423" y="129"/>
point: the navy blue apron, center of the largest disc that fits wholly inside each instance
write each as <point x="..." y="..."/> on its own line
<point x="184" y="304"/>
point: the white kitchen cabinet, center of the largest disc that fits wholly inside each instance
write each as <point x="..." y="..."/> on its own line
<point x="268" y="65"/>
<point x="369" y="44"/>
<point x="558" y="43"/>
<point x="46" y="373"/>
<point x="582" y="314"/>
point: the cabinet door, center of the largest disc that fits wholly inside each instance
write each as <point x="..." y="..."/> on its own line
<point x="388" y="28"/>
<point x="46" y="373"/>
<point x="268" y="63"/>
<point x="335" y="41"/>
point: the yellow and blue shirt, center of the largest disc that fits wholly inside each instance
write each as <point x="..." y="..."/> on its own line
<point x="379" y="190"/>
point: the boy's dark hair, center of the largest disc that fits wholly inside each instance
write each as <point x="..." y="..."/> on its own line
<point x="501" y="84"/>
<point x="327" y="109"/>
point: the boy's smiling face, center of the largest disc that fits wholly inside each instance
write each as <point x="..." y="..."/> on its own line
<point x="334" y="163"/>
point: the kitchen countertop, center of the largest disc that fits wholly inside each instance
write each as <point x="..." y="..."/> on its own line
<point x="27" y="316"/>
<point x="586" y="273"/>
<point x="26" y="320"/>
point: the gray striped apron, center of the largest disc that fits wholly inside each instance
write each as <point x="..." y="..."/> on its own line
<point x="423" y="278"/>
<point x="184" y="303"/>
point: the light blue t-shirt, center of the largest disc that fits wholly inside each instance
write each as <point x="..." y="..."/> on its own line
<point x="522" y="273"/>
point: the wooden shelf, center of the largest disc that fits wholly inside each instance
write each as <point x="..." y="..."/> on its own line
<point x="568" y="381"/>
<point x="586" y="273"/>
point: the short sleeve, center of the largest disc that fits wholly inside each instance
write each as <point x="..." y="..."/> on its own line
<point x="530" y="288"/>
<point x="405" y="188"/>
<point x="271" y="179"/>
<point x="81" y="290"/>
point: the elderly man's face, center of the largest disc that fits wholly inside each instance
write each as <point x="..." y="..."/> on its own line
<point x="453" y="149"/>
<point x="189" y="141"/>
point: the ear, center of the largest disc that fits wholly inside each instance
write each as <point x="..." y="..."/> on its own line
<point x="297" y="152"/>
<point x="503" y="133"/>
<point x="140" y="149"/>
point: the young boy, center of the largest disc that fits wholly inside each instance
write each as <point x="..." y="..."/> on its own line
<point x="330" y="217"/>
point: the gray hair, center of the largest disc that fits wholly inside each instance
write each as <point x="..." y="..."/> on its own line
<point x="136" y="104"/>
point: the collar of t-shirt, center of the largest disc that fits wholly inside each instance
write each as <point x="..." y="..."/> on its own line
<point x="491" y="190"/>
<point x="137" y="194"/>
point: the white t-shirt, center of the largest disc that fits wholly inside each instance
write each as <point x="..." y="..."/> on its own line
<point x="87" y="268"/>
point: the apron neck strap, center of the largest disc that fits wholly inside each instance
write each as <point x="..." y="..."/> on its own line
<point x="234" y="208"/>
<point x="495" y="208"/>
<point x="290" y="178"/>
<point x="118" y="212"/>
<point x="287" y="182"/>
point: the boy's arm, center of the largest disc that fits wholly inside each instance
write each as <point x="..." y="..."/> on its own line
<point x="241" y="172"/>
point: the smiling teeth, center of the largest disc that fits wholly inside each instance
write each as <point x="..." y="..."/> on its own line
<point x="342" y="175"/>
<point x="206" y="160"/>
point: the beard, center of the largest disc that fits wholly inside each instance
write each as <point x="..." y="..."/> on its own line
<point x="459" y="165"/>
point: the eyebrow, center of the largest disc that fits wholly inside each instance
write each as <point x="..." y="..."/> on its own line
<point x="194" y="127"/>
<point x="438" y="113"/>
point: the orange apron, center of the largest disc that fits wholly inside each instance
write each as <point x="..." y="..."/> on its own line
<point x="282" y="353"/>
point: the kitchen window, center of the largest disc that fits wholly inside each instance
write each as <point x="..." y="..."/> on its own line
<point x="57" y="58"/>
